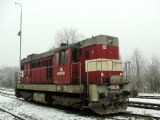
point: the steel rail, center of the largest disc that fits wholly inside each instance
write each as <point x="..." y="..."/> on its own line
<point x="144" y="105"/>
<point x="3" y="93"/>
<point x="16" y="116"/>
<point x="7" y="93"/>
<point x="148" y="97"/>
<point x="140" y="115"/>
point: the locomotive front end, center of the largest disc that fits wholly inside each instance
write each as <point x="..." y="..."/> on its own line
<point x="108" y="89"/>
<point x="108" y="99"/>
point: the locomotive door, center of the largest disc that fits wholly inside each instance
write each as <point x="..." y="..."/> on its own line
<point x="75" y="67"/>
<point x="76" y="73"/>
<point x="62" y="67"/>
<point x="90" y="55"/>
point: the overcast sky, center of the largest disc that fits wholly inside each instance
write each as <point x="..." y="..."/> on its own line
<point x="135" y="22"/>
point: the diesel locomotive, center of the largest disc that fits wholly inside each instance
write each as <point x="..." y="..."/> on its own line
<point x="85" y="74"/>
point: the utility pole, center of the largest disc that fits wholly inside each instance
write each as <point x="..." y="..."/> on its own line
<point x="20" y="35"/>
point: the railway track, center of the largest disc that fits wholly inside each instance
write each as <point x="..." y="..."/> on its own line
<point x="7" y="89"/>
<point x="149" y="97"/>
<point x="124" y="114"/>
<point x="8" y="95"/>
<point x="144" y="105"/>
<point x="16" y="117"/>
<point x="140" y="115"/>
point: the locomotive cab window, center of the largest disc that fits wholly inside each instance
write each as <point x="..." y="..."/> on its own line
<point x="66" y="56"/>
<point x="61" y="58"/>
<point x="87" y="55"/>
<point x="57" y="59"/>
<point x="75" y="55"/>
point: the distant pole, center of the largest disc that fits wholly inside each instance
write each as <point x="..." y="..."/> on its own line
<point x="20" y="34"/>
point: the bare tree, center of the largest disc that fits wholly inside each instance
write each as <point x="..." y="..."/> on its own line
<point x="7" y="76"/>
<point x="52" y="47"/>
<point x="153" y="74"/>
<point x="68" y="36"/>
<point x="137" y="71"/>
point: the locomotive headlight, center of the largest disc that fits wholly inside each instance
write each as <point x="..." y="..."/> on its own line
<point x="120" y="74"/>
<point x="102" y="74"/>
<point x="114" y="87"/>
<point x="21" y="74"/>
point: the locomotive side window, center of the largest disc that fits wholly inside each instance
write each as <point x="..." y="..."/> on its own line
<point x="36" y="65"/>
<point x="49" y="69"/>
<point x="61" y="58"/>
<point x="50" y="62"/>
<point x="87" y="55"/>
<point x="41" y="63"/>
<point x="80" y="52"/>
<point x="32" y="65"/>
<point x="22" y="67"/>
<point x="57" y="59"/>
<point x="66" y="56"/>
<point x="46" y="63"/>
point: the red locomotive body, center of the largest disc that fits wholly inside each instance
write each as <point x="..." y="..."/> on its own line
<point x="87" y="73"/>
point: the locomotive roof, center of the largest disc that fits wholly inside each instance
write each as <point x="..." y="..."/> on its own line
<point x="37" y="56"/>
<point x="100" y="39"/>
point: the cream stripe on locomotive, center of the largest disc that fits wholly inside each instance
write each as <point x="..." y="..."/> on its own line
<point x="102" y="65"/>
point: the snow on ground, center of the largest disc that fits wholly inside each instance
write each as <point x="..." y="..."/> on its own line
<point x="33" y="111"/>
<point x="7" y="91"/>
<point x="141" y="111"/>
<point x="155" y="113"/>
<point x="36" y="112"/>
<point x="156" y="101"/>
<point x="145" y="111"/>
<point x="148" y="94"/>
<point x="5" y="116"/>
